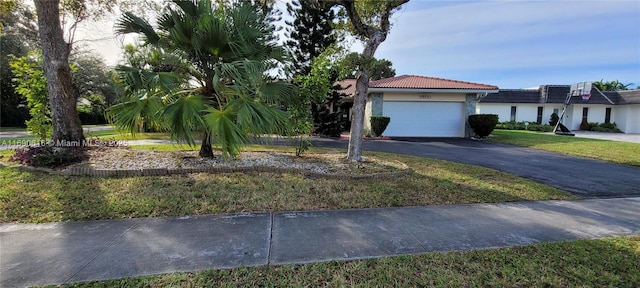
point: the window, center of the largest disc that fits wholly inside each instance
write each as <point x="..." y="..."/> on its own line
<point x="607" y="115"/>
<point x="557" y="111"/>
<point x="539" y="119"/>
<point x="513" y="114"/>
<point x="585" y="114"/>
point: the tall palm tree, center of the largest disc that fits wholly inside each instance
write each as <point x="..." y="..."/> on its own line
<point x="214" y="81"/>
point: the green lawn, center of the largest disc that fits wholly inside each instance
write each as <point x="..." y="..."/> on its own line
<point x="101" y="134"/>
<point x="609" y="262"/>
<point x="612" y="151"/>
<point x="39" y="197"/>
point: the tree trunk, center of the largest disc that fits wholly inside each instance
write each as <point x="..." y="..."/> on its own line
<point x="357" y="122"/>
<point x="206" y="151"/>
<point x="360" y="100"/>
<point x="55" y="56"/>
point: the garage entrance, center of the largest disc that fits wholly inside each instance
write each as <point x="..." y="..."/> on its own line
<point x="424" y="119"/>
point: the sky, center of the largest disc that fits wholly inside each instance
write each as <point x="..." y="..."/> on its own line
<point x="510" y="44"/>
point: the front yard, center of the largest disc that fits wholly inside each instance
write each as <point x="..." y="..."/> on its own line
<point x="612" y="151"/>
<point x="40" y="197"/>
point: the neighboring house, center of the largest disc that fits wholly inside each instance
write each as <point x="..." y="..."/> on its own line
<point x="537" y="105"/>
<point x="421" y="106"/>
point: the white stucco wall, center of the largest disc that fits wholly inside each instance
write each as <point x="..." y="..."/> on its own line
<point x="524" y="112"/>
<point x="367" y="114"/>
<point x="527" y="113"/>
<point x="502" y="110"/>
<point x="596" y="114"/>
<point x="627" y="117"/>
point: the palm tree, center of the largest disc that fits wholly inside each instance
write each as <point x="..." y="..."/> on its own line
<point x="613" y="85"/>
<point x="209" y="75"/>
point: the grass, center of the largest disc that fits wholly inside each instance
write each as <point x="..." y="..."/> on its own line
<point x="38" y="197"/>
<point x="89" y="133"/>
<point x="612" y="151"/>
<point x="609" y="262"/>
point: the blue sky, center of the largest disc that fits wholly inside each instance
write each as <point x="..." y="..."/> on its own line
<point x="517" y="44"/>
<point x="511" y="44"/>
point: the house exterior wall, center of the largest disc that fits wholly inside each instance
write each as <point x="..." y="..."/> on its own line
<point x="367" y="113"/>
<point x="524" y="112"/>
<point x="471" y="101"/>
<point x="627" y="117"/>
<point x="372" y="108"/>
<point x="502" y="110"/>
<point x="527" y="112"/>
<point x="596" y="114"/>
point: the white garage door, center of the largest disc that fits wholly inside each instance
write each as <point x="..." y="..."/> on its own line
<point x="424" y="119"/>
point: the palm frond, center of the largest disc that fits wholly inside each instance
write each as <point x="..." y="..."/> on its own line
<point x="225" y="131"/>
<point x="129" y="116"/>
<point x="184" y="116"/>
<point x="130" y="23"/>
<point x="257" y="118"/>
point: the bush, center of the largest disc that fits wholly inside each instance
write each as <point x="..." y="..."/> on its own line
<point x="605" y="127"/>
<point x="47" y="156"/>
<point x="585" y="126"/>
<point x="554" y="119"/>
<point x="511" y="125"/>
<point x="11" y="116"/>
<point x="379" y="124"/>
<point x="540" y="128"/>
<point x="91" y="115"/>
<point x="483" y="124"/>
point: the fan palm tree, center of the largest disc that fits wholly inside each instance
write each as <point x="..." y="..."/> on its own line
<point x="208" y="77"/>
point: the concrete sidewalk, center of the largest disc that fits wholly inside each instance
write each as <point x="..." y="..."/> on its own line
<point x="56" y="253"/>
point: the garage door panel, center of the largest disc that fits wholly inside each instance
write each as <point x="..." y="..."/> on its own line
<point x="424" y="119"/>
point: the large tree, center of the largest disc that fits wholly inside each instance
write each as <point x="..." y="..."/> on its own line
<point x="55" y="56"/>
<point x="376" y="68"/>
<point x="369" y="21"/>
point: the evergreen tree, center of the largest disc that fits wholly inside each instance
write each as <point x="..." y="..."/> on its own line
<point x="310" y="33"/>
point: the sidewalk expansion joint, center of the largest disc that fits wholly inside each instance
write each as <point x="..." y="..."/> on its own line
<point x="270" y="239"/>
<point x="102" y="251"/>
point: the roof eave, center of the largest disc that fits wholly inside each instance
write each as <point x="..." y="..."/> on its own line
<point x="414" y="90"/>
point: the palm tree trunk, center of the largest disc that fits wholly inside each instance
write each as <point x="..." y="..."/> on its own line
<point x="206" y="151"/>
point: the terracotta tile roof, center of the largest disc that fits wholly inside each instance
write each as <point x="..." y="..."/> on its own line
<point x="415" y="82"/>
<point x="348" y="86"/>
<point x="422" y="82"/>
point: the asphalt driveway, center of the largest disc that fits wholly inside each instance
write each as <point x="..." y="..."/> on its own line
<point x="580" y="176"/>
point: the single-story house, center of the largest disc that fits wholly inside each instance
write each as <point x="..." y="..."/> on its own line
<point x="537" y="105"/>
<point x="422" y="106"/>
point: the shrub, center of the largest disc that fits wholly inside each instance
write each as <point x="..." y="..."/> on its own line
<point x="91" y="115"/>
<point x="540" y="128"/>
<point x="585" y="126"/>
<point x="511" y="125"/>
<point x="47" y="156"/>
<point x="379" y="124"/>
<point x="483" y="124"/>
<point x="554" y="119"/>
<point x="605" y="127"/>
